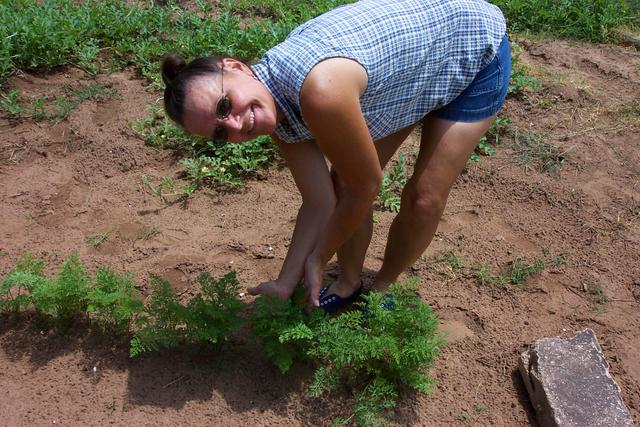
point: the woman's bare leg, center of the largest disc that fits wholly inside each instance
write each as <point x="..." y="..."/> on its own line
<point x="445" y="148"/>
<point x="352" y="254"/>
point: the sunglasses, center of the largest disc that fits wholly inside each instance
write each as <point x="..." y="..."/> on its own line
<point x="223" y="109"/>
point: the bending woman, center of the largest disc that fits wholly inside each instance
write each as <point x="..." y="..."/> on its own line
<point x="350" y="86"/>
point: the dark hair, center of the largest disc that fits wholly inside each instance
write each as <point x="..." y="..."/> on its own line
<point x="177" y="75"/>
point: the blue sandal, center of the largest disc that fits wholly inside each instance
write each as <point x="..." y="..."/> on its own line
<point x="331" y="303"/>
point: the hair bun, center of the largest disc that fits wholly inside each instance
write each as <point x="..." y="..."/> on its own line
<point x="172" y="64"/>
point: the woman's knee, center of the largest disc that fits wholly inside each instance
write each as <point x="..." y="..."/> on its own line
<point x="424" y="202"/>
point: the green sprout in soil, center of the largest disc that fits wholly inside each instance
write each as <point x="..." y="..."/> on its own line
<point x="9" y="103"/>
<point x="596" y="293"/>
<point x="96" y="240"/>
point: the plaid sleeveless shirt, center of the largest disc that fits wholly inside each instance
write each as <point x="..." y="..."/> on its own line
<point x="419" y="55"/>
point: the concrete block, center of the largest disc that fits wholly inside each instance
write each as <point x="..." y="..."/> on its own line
<point x="569" y="383"/>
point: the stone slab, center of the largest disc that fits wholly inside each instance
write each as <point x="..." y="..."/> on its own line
<point x="569" y="383"/>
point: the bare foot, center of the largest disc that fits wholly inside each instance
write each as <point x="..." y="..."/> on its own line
<point x="272" y="287"/>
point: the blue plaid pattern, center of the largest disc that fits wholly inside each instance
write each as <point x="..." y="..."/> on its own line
<point x="419" y="56"/>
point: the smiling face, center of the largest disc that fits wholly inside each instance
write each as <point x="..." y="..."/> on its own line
<point x="253" y="111"/>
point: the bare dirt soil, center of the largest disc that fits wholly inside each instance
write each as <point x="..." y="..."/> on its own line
<point x="60" y="181"/>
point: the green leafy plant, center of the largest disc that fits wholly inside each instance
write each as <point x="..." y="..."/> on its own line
<point x="10" y="105"/>
<point x="486" y="146"/>
<point x="65" y="295"/>
<point x="16" y="287"/>
<point x="283" y="328"/>
<point x="377" y="351"/>
<point x="392" y="184"/>
<point x="521" y="269"/>
<point x="113" y="300"/>
<point x="109" y="299"/>
<point x="211" y="316"/>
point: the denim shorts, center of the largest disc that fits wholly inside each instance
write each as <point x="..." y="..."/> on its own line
<point x="485" y="95"/>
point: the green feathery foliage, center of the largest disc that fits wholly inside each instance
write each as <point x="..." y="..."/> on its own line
<point x="209" y="317"/>
<point x="15" y="289"/>
<point x="283" y="328"/>
<point x="384" y="349"/>
<point x="109" y="299"/>
<point x="114" y="301"/>
<point x="64" y="295"/>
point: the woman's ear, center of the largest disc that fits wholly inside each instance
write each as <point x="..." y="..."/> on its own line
<point x="236" y="65"/>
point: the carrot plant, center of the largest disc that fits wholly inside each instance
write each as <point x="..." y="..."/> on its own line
<point x="376" y="351"/>
<point x="108" y="299"/>
<point x="273" y="321"/>
<point x="211" y="316"/>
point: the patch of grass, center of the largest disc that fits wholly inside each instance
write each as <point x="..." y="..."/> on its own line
<point x="96" y="240"/>
<point x="450" y="258"/>
<point x="531" y="151"/>
<point x="148" y="233"/>
<point x="590" y="20"/>
<point x="65" y="105"/>
<point x="632" y="112"/>
<point x="560" y="260"/>
<point x="61" y="107"/>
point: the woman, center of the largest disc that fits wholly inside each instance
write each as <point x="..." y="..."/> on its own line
<point x="350" y="86"/>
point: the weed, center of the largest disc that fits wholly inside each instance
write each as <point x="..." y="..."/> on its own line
<point x="65" y="105"/>
<point x="10" y="105"/>
<point x="96" y="240"/>
<point x="520" y="270"/>
<point x="148" y="233"/>
<point x="482" y="273"/>
<point x="480" y="408"/>
<point x="465" y="417"/>
<point x="560" y="260"/>
<point x="597" y="293"/>
<point x="40" y="212"/>
<point x="450" y="258"/>
<point x="532" y="152"/>
<point x="166" y="189"/>
<point x="486" y="146"/>
<point x="392" y="184"/>
<point x="38" y="111"/>
<point x="520" y="82"/>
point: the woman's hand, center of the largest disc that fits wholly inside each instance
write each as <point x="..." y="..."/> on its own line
<point x="313" y="275"/>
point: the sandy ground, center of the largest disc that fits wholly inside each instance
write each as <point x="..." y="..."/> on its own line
<point x="61" y="181"/>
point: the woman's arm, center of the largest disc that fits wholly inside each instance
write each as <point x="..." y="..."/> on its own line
<point x="330" y="100"/>
<point x="311" y="175"/>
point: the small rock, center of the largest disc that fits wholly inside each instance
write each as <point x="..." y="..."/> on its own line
<point x="569" y="383"/>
